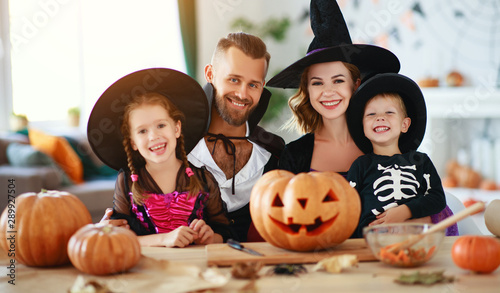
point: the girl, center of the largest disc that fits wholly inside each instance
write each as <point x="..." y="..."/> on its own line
<point x="163" y="199"/>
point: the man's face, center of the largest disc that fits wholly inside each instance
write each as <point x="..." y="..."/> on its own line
<point x="238" y="81"/>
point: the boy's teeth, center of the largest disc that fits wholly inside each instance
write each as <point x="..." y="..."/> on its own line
<point x="379" y="129"/>
<point x="238" y="104"/>
<point x="331" y="103"/>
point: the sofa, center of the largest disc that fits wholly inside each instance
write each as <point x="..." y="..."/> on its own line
<point x="26" y="167"/>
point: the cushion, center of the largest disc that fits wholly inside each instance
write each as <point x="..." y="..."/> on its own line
<point x="5" y="140"/>
<point x="91" y="171"/>
<point x="59" y="150"/>
<point x="24" y="155"/>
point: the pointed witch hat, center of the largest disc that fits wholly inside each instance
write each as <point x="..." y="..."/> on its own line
<point x="103" y="129"/>
<point x="332" y="42"/>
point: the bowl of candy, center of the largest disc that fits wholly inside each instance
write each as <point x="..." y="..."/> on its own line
<point x="403" y="244"/>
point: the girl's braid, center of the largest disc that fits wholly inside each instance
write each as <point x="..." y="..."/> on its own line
<point x="195" y="185"/>
<point x="137" y="191"/>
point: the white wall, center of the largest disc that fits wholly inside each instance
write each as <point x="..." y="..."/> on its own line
<point x="215" y="16"/>
<point x="5" y="80"/>
<point x="430" y="38"/>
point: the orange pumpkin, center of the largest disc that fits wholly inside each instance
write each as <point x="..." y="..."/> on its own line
<point x="104" y="249"/>
<point x="43" y="222"/>
<point x="304" y="212"/>
<point x="476" y="253"/>
<point x="470" y="201"/>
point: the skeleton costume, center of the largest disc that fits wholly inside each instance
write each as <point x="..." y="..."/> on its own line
<point x="384" y="182"/>
<point x="409" y="178"/>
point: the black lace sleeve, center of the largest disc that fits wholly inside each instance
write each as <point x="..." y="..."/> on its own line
<point x="122" y="208"/>
<point x="215" y="213"/>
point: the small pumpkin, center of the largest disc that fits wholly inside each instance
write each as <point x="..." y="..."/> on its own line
<point x="44" y="223"/>
<point x="488" y="184"/>
<point x="479" y="254"/>
<point x="304" y="212"/>
<point x="470" y="201"/>
<point x="99" y="249"/>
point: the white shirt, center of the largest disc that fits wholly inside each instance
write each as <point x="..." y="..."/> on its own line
<point x="245" y="179"/>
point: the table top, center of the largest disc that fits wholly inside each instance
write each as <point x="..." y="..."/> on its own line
<point x="178" y="270"/>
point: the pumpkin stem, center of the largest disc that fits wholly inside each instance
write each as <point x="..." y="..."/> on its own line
<point x="107" y="229"/>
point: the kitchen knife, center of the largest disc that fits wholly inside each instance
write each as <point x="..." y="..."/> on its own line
<point x="237" y="245"/>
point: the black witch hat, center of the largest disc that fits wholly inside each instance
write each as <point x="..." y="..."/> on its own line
<point x="332" y="42"/>
<point x="389" y="83"/>
<point x="103" y="128"/>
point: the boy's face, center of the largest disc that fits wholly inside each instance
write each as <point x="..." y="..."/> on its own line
<point x="383" y="121"/>
<point x="238" y="81"/>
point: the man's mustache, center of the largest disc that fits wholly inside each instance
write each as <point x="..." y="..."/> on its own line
<point x="238" y="100"/>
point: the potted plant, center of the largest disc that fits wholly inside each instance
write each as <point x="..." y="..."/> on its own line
<point x="74" y="116"/>
<point x="18" y="122"/>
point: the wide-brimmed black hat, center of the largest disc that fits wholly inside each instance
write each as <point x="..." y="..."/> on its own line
<point x="103" y="130"/>
<point x="332" y="42"/>
<point x="388" y="83"/>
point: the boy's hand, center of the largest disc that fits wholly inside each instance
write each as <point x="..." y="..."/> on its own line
<point x="397" y="214"/>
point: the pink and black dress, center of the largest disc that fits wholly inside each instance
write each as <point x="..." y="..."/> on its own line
<point x="162" y="213"/>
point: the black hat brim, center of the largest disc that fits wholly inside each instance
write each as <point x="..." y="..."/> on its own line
<point x="369" y="59"/>
<point x="389" y="83"/>
<point x="103" y="129"/>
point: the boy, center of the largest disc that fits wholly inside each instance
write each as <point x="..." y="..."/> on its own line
<point x="387" y="118"/>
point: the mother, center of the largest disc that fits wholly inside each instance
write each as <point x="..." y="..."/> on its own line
<point x="326" y="79"/>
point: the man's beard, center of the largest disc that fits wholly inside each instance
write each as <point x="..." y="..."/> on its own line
<point x="232" y="117"/>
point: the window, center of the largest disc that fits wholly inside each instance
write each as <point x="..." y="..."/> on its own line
<point x="66" y="53"/>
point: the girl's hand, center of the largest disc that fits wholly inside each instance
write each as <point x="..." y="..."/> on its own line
<point x="397" y="214"/>
<point x="205" y="233"/>
<point x="119" y="222"/>
<point x="180" y="237"/>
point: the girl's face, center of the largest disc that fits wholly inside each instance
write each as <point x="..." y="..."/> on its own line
<point x="383" y="121"/>
<point x="154" y="133"/>
<point x="330" y="88"/>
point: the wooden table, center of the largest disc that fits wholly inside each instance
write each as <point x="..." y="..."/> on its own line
<point x="367" y="277"/>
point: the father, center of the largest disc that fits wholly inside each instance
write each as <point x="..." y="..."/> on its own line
<point x="235" y="150"/>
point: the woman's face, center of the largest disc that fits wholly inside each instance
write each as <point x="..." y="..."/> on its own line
<point x="154" y="133"/>
<point x="330" y="88"/>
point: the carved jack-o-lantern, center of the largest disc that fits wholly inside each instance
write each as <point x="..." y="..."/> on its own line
<point x="304" y="212"/>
